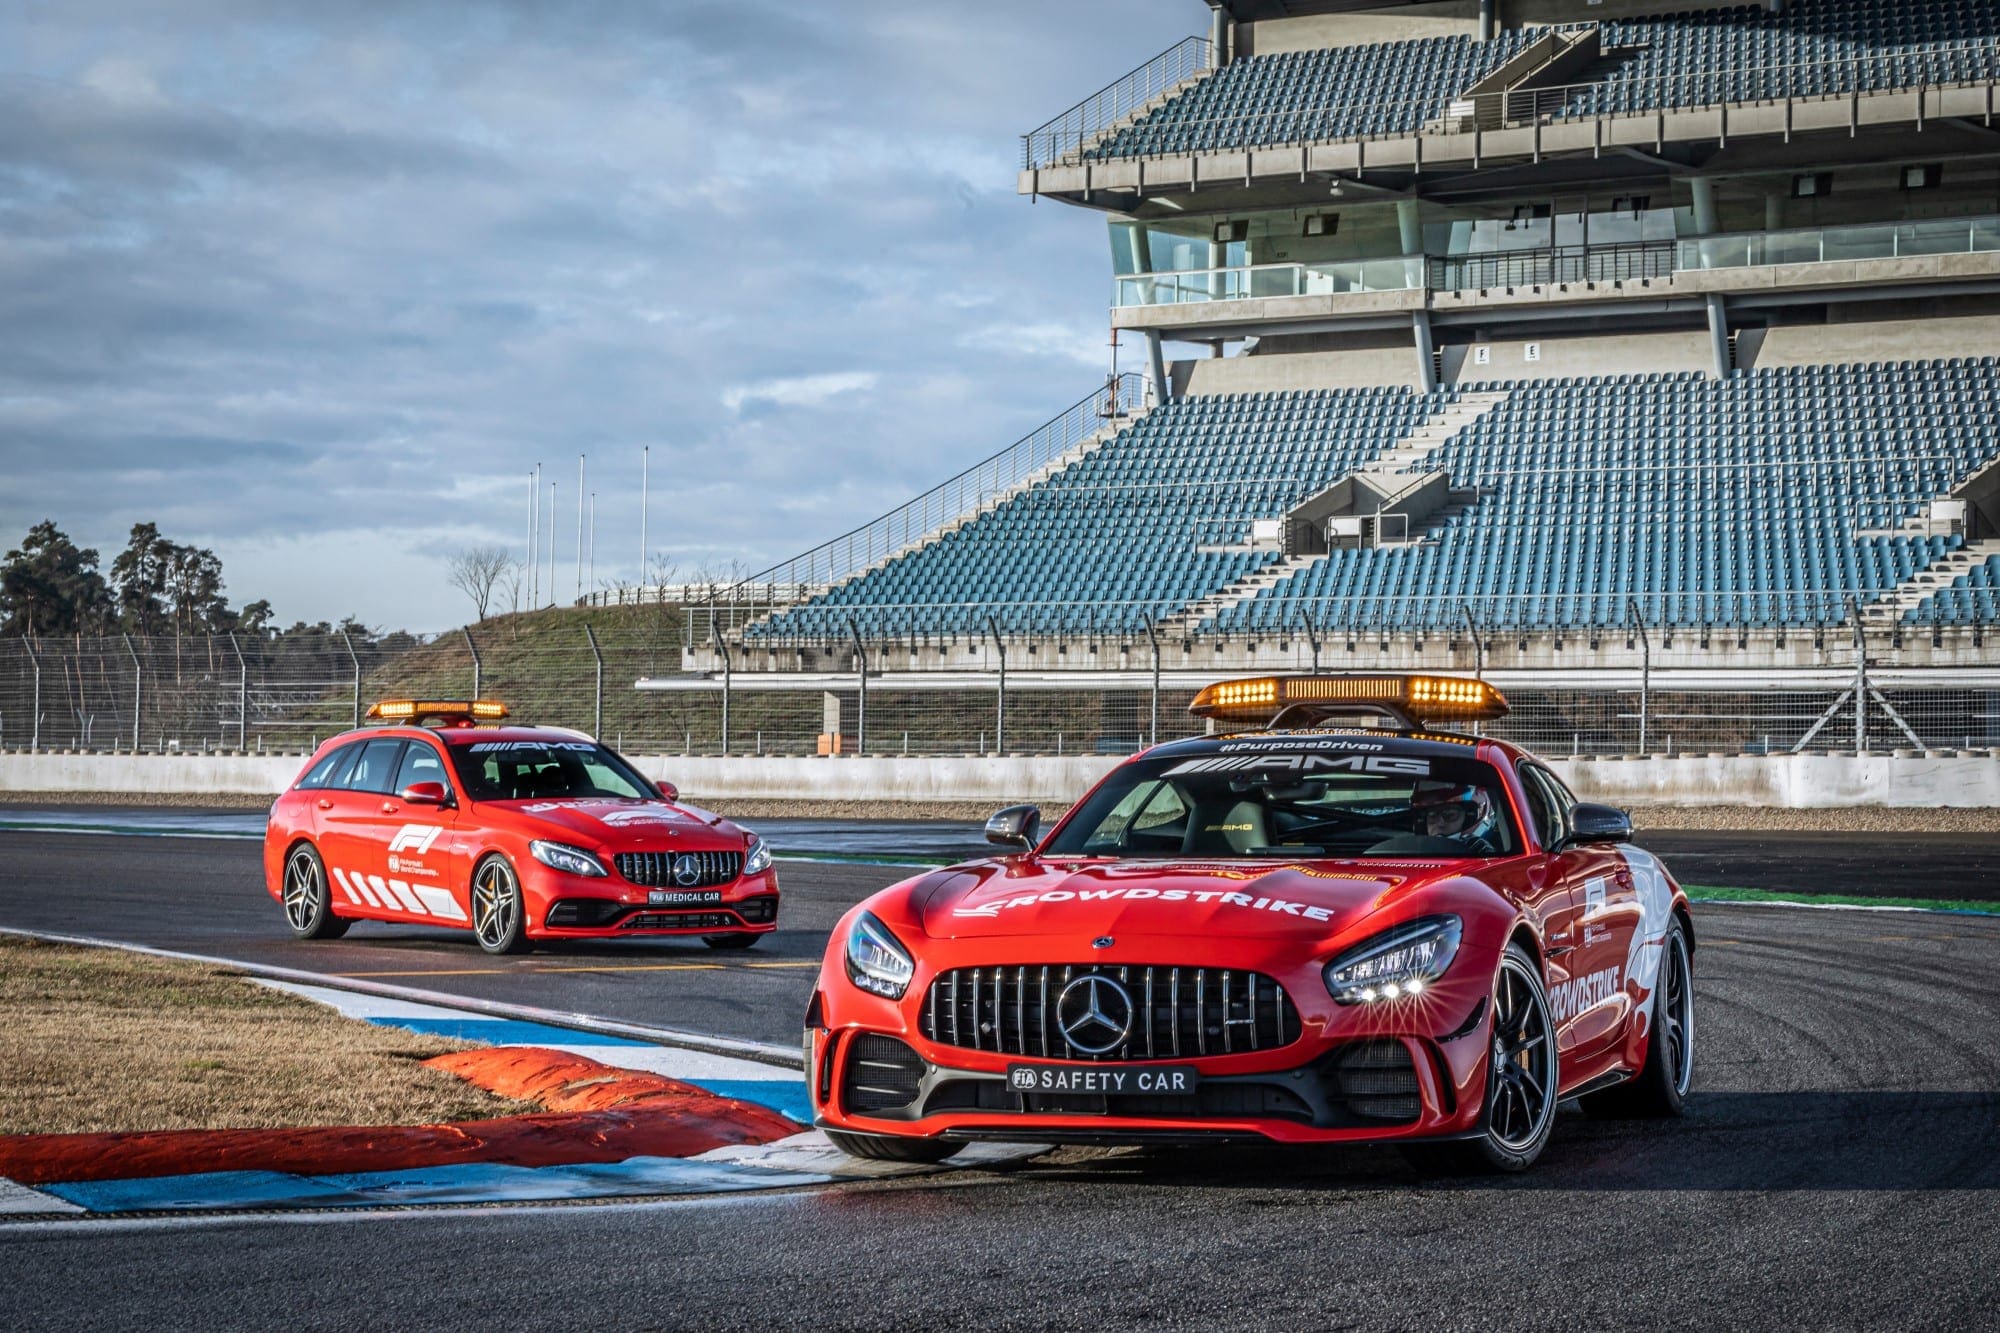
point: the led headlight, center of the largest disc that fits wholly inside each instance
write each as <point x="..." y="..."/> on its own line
<point x="757" y="857"/>
<point x="1397" y="963"/>
<point x="570" y="860"/>
<point x="876" y="961"/>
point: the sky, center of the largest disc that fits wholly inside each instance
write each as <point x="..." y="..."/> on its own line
<point x="317" y="285"/>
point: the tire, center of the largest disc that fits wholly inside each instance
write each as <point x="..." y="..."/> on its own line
<point x="880" y="1148"/>
<point x="1659" y="1090"/>
<point x="499" y="913"/>
<point x="307" y="900"/>
<point x="1518" y="1112"/>
<point x="730" y="941"/>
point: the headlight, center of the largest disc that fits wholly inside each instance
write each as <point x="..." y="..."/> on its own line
<point x="876" y="961"/>
<point x="1396" y="963"/>
<point x="571" y="860"/>
<point x="758" y="859"/>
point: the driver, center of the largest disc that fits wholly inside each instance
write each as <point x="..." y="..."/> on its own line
<point x="1459" y="812"/>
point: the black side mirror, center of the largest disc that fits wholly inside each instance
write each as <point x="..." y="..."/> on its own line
<point x="1016" y="826"/>
<point x="1598" y="823"/>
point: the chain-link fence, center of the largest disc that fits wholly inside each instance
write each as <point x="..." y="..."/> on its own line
<point x="619" y="673"/>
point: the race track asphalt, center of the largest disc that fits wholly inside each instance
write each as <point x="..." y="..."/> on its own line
<point x="1839" y="1168"/>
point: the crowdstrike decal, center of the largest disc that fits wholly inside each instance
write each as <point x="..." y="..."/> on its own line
<point x="1283" y="907"/>
<point x="1572" y="997"/>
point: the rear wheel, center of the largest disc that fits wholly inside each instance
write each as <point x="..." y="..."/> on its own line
<point x="1660" y="1088"/>
<point x="879" y="1148"/>
<point x="1520" y="1107"/>
<point x="730" y="941"/>
<point x="307" y="901"/>
<point x="499" y="917"/>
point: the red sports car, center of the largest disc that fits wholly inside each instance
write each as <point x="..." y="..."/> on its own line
<point x="518" y="834"/>
<point x="1323" y="931"/>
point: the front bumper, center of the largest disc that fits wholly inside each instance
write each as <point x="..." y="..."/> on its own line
<point x="562" y="906"/>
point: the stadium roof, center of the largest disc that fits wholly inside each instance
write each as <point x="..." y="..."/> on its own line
<point x="1252" y="11"/>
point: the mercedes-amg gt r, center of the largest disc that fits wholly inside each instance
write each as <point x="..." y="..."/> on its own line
<point x="1321" y="931"/>
<point x="517" y="834"/>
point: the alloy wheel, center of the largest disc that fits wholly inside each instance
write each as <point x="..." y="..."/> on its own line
<point x="305" y="891"/>
<point x="1523" y="1082"/>
<point x="495" y="903"/>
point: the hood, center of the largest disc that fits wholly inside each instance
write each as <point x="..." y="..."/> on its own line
<point x="1074" y="900"/>
<point x="627" y="825"/>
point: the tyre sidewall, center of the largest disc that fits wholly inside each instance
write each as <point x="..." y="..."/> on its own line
<point x="516" y="940"/>
<point x="324" y="923"/>
<point x="1496" y="1154"/>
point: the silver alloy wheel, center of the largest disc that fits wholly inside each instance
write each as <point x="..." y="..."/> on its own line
<point x="1677" y="1012"/>
<point x="305" y="890"/>
<point x="1522" y="1098"/>
<point x="496" y="901"/>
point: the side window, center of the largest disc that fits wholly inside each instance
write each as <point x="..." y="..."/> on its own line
<point x="376" y="768"/>
<point x="328" y="771"/>
<point x="1549" y="801"/>
<point x="421" y="763"/>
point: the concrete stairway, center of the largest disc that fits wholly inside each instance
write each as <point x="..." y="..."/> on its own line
<point x="1184" y="622"/>
<point x="1409" y="452"/>
<point x="1937" y="575"/>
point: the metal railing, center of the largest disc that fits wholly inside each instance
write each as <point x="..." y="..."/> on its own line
<point x="967" y="493"/>
<point x="1105" y="108"/>
<point x="1939" y="69"/>
<point x="1182" y="286"/>
<point x="1622" y="262"/>
<point x="1817" y="245"/>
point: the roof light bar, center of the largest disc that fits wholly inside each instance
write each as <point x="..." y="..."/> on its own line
<point x="416" y="710"/>
<point x="1306" y="699"/>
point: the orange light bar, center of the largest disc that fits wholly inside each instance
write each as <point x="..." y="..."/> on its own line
<point x="1429" y="698"/>
<point x="409" y="710"/>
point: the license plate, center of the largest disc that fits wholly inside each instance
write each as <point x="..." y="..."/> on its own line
<point x="1105" y="1080"/>
<point x="682" y="897"/>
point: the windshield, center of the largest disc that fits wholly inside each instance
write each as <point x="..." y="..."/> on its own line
<point x="1257" y="799"/>
<point x="545" y="771"/>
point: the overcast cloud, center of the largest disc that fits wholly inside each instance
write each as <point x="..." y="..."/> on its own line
<point x="317" y="285"/>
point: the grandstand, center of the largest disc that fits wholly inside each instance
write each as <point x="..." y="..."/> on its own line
<point x="1573" y="333"/>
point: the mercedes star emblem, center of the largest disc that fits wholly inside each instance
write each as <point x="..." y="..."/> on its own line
<point x="687" y="870"/>
<point x="1095" y="1014"/>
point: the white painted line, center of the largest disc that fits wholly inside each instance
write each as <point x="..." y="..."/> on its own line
<point x="761" y="1052"/>
<point x="15" y="1199"/>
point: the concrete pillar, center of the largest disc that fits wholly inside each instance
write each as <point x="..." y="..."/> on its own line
<point x="1704" y="206"/>
<point x="1218" y="36"/>
<point x="1420" y="328"/>
<point x="1774" y="212"/>
<point x="1718" y="335"/>
<point x="1488" y="18"/>
<point x="1407" y="223"/>
<point x="1156" y="367"/>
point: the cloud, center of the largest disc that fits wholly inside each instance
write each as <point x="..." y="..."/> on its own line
<point x="798" y="391"/>
<point x="319" y="285"/>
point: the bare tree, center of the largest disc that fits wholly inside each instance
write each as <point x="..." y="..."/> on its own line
<point x="476" y="571"/>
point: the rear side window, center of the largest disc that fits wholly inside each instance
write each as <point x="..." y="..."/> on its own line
<point x="1548" y="801"/>
<point x="329" y="770"/>
<point x="375" y="770"/>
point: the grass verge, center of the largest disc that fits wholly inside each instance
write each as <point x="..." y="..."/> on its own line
<point x="102" y="1040"/>
<point x="1712" y="893"/>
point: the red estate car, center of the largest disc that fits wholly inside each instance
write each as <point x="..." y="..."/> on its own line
<point x="518" y="834"/>
<point x="1319" y="932"/>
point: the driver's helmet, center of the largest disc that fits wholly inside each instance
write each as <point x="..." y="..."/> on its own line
<point x="1454" y="810"/>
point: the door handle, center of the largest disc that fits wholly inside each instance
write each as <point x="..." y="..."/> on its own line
<point x="325" y="804"/>
<point x="388" y="807"/>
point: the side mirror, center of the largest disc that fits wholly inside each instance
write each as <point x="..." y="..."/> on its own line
<point x="1016" y="826"/>
<point x="425" y="793"/>
<point x="668" y="791"/>
<point x="1598" y="823"/>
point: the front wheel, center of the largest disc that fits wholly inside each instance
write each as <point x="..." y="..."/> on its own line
<point x="1659" y="1090"/>
<point x="1519" y="1111"/>
<point x="880" y="1148"/>
<point x="308" y="903"/>
<point x="499" y="916"/>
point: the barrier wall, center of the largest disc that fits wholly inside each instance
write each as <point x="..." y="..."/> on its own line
<point x="1913" y="781"/>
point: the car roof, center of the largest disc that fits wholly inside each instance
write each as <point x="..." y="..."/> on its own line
<point x="463" y="735"/>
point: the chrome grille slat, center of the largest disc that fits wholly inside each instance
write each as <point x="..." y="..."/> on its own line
<point x="656" y="869"/>
<point x="1220" y="1011"/>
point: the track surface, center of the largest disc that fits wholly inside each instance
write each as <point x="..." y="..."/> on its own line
<point x="1840" y="1168"/>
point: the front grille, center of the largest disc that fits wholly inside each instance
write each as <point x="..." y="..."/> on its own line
<point x="1178" y="1011"/>
<point x="1377" y="1081"/>
<point x="759" y="910"/>
<point x="882" y="1074"/>
<point x="658" y="869"/>
<point x="584" y="913"/>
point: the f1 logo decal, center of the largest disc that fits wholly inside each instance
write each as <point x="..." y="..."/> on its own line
<point x="415" y="838"/>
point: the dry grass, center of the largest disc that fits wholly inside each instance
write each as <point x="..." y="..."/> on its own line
<point x="99" y="1039"/>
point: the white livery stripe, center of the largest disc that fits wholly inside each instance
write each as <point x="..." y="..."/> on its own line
<point x="345" y="887"/>
<point x="367" y="894"/>
<point x="397" y="894"/>
<point x="438" y="900"/>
